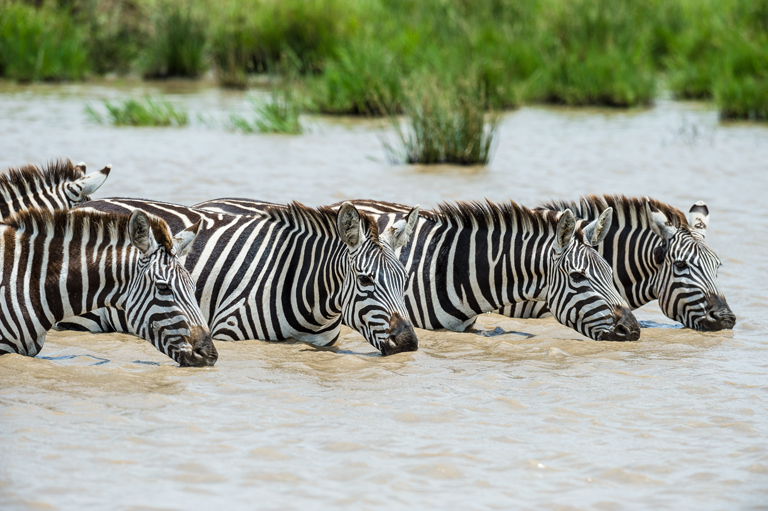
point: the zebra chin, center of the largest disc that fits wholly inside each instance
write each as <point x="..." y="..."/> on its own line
<point x="625" y="327"/>
<point x="402" y="337"/>
<point x="202" y="353"/>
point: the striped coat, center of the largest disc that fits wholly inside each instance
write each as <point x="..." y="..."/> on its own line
<point x="56" y="264"/>
<point x="58" y="185"/>
<point x="288" y="272"/>
<point x="469" y="258"/>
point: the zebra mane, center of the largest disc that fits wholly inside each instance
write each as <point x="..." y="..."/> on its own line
<point x="77" y="222"/>
<point x="321" y="220"/>
<point x="490" y="213"/>
<point x="16" y="180"/>
<point x="624" y="207"/>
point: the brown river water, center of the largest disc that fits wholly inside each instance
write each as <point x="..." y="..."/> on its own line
<point x="534" y="417"/>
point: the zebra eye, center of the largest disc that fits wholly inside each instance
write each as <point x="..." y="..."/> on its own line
<point x="577" y="276"/>
<point x="163" y="287"/>
<point x="680" y="265"/>
<point x="365" y="280"/>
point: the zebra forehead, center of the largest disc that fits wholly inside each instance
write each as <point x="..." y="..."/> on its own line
<point x="77" y="222"/>
<point x="35" y="178"/>
<point x="321" y="220"/>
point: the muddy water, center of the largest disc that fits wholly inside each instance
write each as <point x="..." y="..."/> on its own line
<point x="528" y="415"/>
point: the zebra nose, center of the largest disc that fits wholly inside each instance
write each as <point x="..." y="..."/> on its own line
<point x="401" y="336"/>
<point x="625" y="326"/>
<point x="719" y="315"/>
<point x="203" y="352"/>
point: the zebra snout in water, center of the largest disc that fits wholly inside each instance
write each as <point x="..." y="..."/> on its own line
<point x="203" y="351"/>
<point x="625" y="326"/>
<point x="719" y="316"/>
<point x="401" y="336"/>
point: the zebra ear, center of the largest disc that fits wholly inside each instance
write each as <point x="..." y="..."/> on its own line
<point x="596" y="230"/>
<point x="348" y="223"/>
<point x="565" y="229"/>
<point x="141" y="232"/>
<point x="659" y="222"/>
<point x="182" y="242"/>
<point x="698" y="219"/>
<point x="399" y="233"/>
<point x="86" y="185"/>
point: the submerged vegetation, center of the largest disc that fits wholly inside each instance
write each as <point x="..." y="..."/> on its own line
<point x="132" y="112"/>
<point x="371" y="57"/>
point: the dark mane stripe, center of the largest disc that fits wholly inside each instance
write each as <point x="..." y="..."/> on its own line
<point x="622" y="205"/>
<point x="16" y="180"/>
<point x="489" y="213"/>
<point x="74" y="222"/>
<point x="295" y="213"/>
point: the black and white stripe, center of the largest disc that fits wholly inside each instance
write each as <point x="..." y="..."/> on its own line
<point x="656" y="253"/>
<point x="61" y="263"/>
<point x="470" y="258"/>
<point x="57" y="185"/>
<point x="288" y="272"/>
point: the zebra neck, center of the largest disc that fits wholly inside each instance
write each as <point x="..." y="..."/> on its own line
<point x="629" y="250"/>
<point x="82" y="275"/>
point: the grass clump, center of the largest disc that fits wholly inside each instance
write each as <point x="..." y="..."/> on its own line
<point x="131" y="112"/>
<point x="278" y="114"/>
<point x="40" y="44"/>
<point x="177" y="46"/>
<point x="444" y="125"/>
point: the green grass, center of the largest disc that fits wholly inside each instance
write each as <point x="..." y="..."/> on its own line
<point x="354" y="56"/>
<point x="40" y="44"/>
<point x="148" y="112"/>
<point x="444" y="125"/>
<point x="177" y="44"/>
<point x="278" y="114"/>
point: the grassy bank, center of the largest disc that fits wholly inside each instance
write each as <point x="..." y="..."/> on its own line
<point x="356" y="56"/>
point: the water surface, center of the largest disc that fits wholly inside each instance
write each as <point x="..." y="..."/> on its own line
<point x="529" y="415"/>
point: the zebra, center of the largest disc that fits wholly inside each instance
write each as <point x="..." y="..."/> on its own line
<point x="58" y="185"/>
<point x="288" y="272"/>
<point x="468" y="258"/>
<point x="656" y="253"/>
<point x="59" y="263"/>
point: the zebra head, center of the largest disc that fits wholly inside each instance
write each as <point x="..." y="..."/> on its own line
<point x="161" y="305"/>
<point x="687" y="280"/>
<point x="80" y="190"/>
<point x="580" y="289"/>
<point x="373" y="300"/>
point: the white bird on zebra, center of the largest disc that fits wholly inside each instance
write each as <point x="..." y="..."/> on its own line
<point x="288" y="272"/>
<point x="468" y="258"/>
<point x="54" y="264"/>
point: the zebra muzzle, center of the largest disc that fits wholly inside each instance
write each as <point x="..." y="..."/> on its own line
<point x="625" y="326"/>
<point x="203" y="353"/>
<point x="719" y="316"/>
<point x="401" y="336"/>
